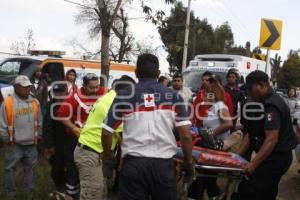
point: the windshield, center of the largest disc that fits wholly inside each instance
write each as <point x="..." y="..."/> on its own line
<point x="192" y="79"/>
<point x="11" y="68"/>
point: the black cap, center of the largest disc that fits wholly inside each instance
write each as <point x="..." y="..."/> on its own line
<point x="122" y="82"/>
<point x="177" y="75"/>
<point x="256" y="76"/>
<point x="59" y="87"/>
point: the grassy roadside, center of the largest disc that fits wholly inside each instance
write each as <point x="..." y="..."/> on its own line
<point x="43" y="182"/>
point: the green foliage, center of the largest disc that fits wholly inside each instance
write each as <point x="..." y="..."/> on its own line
<point x="203" y="38"/>
<point x="290" y="72"/>
<point x="223" y="38"/>
<point x="237" y="50"/>
<point x="275" y="63"/>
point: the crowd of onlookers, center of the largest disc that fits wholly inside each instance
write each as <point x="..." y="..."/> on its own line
<point x="80" y="131"/>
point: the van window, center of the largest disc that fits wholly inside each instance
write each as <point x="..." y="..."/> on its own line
<point x="9" y="71"/>
<point x="11" y="68"/>
<point x="217" y="59"/>
<point x="193" y="79"/>
<point x="53" y="72"/>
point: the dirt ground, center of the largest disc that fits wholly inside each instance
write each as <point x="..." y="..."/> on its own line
<point x="289" y="187"/>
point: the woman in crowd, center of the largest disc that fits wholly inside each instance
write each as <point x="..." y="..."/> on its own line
<point x="39" y="88"/>
<point x="71" y="79"/>
<point x="291" y="100"/>
<point x="218" y="121"/>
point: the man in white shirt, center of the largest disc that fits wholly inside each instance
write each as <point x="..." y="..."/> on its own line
<point x="178" y="87"/>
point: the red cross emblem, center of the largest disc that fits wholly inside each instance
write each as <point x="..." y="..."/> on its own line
<point x="149" y="100"/>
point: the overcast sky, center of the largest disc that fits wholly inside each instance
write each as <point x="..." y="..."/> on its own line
<point x="54" y="26"/>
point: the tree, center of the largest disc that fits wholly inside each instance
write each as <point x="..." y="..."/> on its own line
<point x="100" y="15"/>
<point x="21" y="47"/>
<point x="223" y="38"/>
<point x="290" y="72"/>
<point x="237" y="50"/>
<point x="172" y="32"/>
<point x="146" y="46"/>
<point x="123" y="47"/>
<point x="203" y="38"/>
<point x="275" y="63"/>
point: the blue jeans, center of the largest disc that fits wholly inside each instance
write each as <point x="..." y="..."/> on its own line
<point x="13" y="154"/>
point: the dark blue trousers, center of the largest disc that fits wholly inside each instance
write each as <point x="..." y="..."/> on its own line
<point x="147" y="178"/>
<point x="263" y="184"/>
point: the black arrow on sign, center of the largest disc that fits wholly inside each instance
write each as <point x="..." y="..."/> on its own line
<point x="274" y="34"/>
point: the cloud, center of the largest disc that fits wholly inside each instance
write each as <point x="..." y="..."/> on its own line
<point x="207" y="4"/>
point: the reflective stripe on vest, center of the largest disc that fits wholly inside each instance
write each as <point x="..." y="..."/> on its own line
<point x="9" y="109"/>
<point x="86" y="108"/>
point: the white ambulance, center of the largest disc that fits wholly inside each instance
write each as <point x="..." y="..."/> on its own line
<point x="219" y="64"/>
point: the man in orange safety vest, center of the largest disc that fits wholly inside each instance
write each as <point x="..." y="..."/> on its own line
<point x="20" y="128"/>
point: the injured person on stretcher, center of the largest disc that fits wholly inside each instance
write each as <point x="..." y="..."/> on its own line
<point x="213" y="160"/>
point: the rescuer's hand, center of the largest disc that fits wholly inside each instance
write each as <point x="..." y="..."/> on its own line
<point x="188" y="171"/>
<point x="108" y="165"/>
<point x="250" y="168"/>
<point x="48" y="152"/>
<point x="76" y="131"/>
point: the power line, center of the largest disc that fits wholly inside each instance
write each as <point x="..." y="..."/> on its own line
<point x="78" y="4"/>
<point x="239" y="22"/>
<point x="135" y="9"/>
<point x="245" y="33"/>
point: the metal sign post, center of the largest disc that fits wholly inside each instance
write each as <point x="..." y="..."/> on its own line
<point x="268" y="61"/>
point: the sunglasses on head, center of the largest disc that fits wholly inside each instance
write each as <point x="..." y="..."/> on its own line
<point x="90" y="76"/>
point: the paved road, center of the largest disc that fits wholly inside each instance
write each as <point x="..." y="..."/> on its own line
<point x="289" y="188"/>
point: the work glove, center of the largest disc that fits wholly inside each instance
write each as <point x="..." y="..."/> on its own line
<point x="108" y="166"/>
<point x="188" y="171"/>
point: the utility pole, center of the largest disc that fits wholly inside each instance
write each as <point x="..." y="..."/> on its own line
<point x="186" y="37"/>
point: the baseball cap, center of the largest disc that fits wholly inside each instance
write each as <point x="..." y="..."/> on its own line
<point x="23" y="81"/>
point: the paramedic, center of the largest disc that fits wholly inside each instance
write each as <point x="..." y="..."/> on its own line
<point x="88" y="152"/>
<point x="271" y="136"/>
<point x="73" y="113"/>
<point x="148" y="112"/>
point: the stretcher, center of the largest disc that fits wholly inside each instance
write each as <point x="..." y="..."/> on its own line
<point x="219" y="164"/>
<point x="233" y="175"/>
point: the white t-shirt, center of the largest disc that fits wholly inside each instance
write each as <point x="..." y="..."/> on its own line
<point x="186" y="94"/>
<point x="212" y="120"/>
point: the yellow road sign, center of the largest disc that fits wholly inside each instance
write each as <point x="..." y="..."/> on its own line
<point x="259" y="57"/>
<point x="270" y="34"/>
